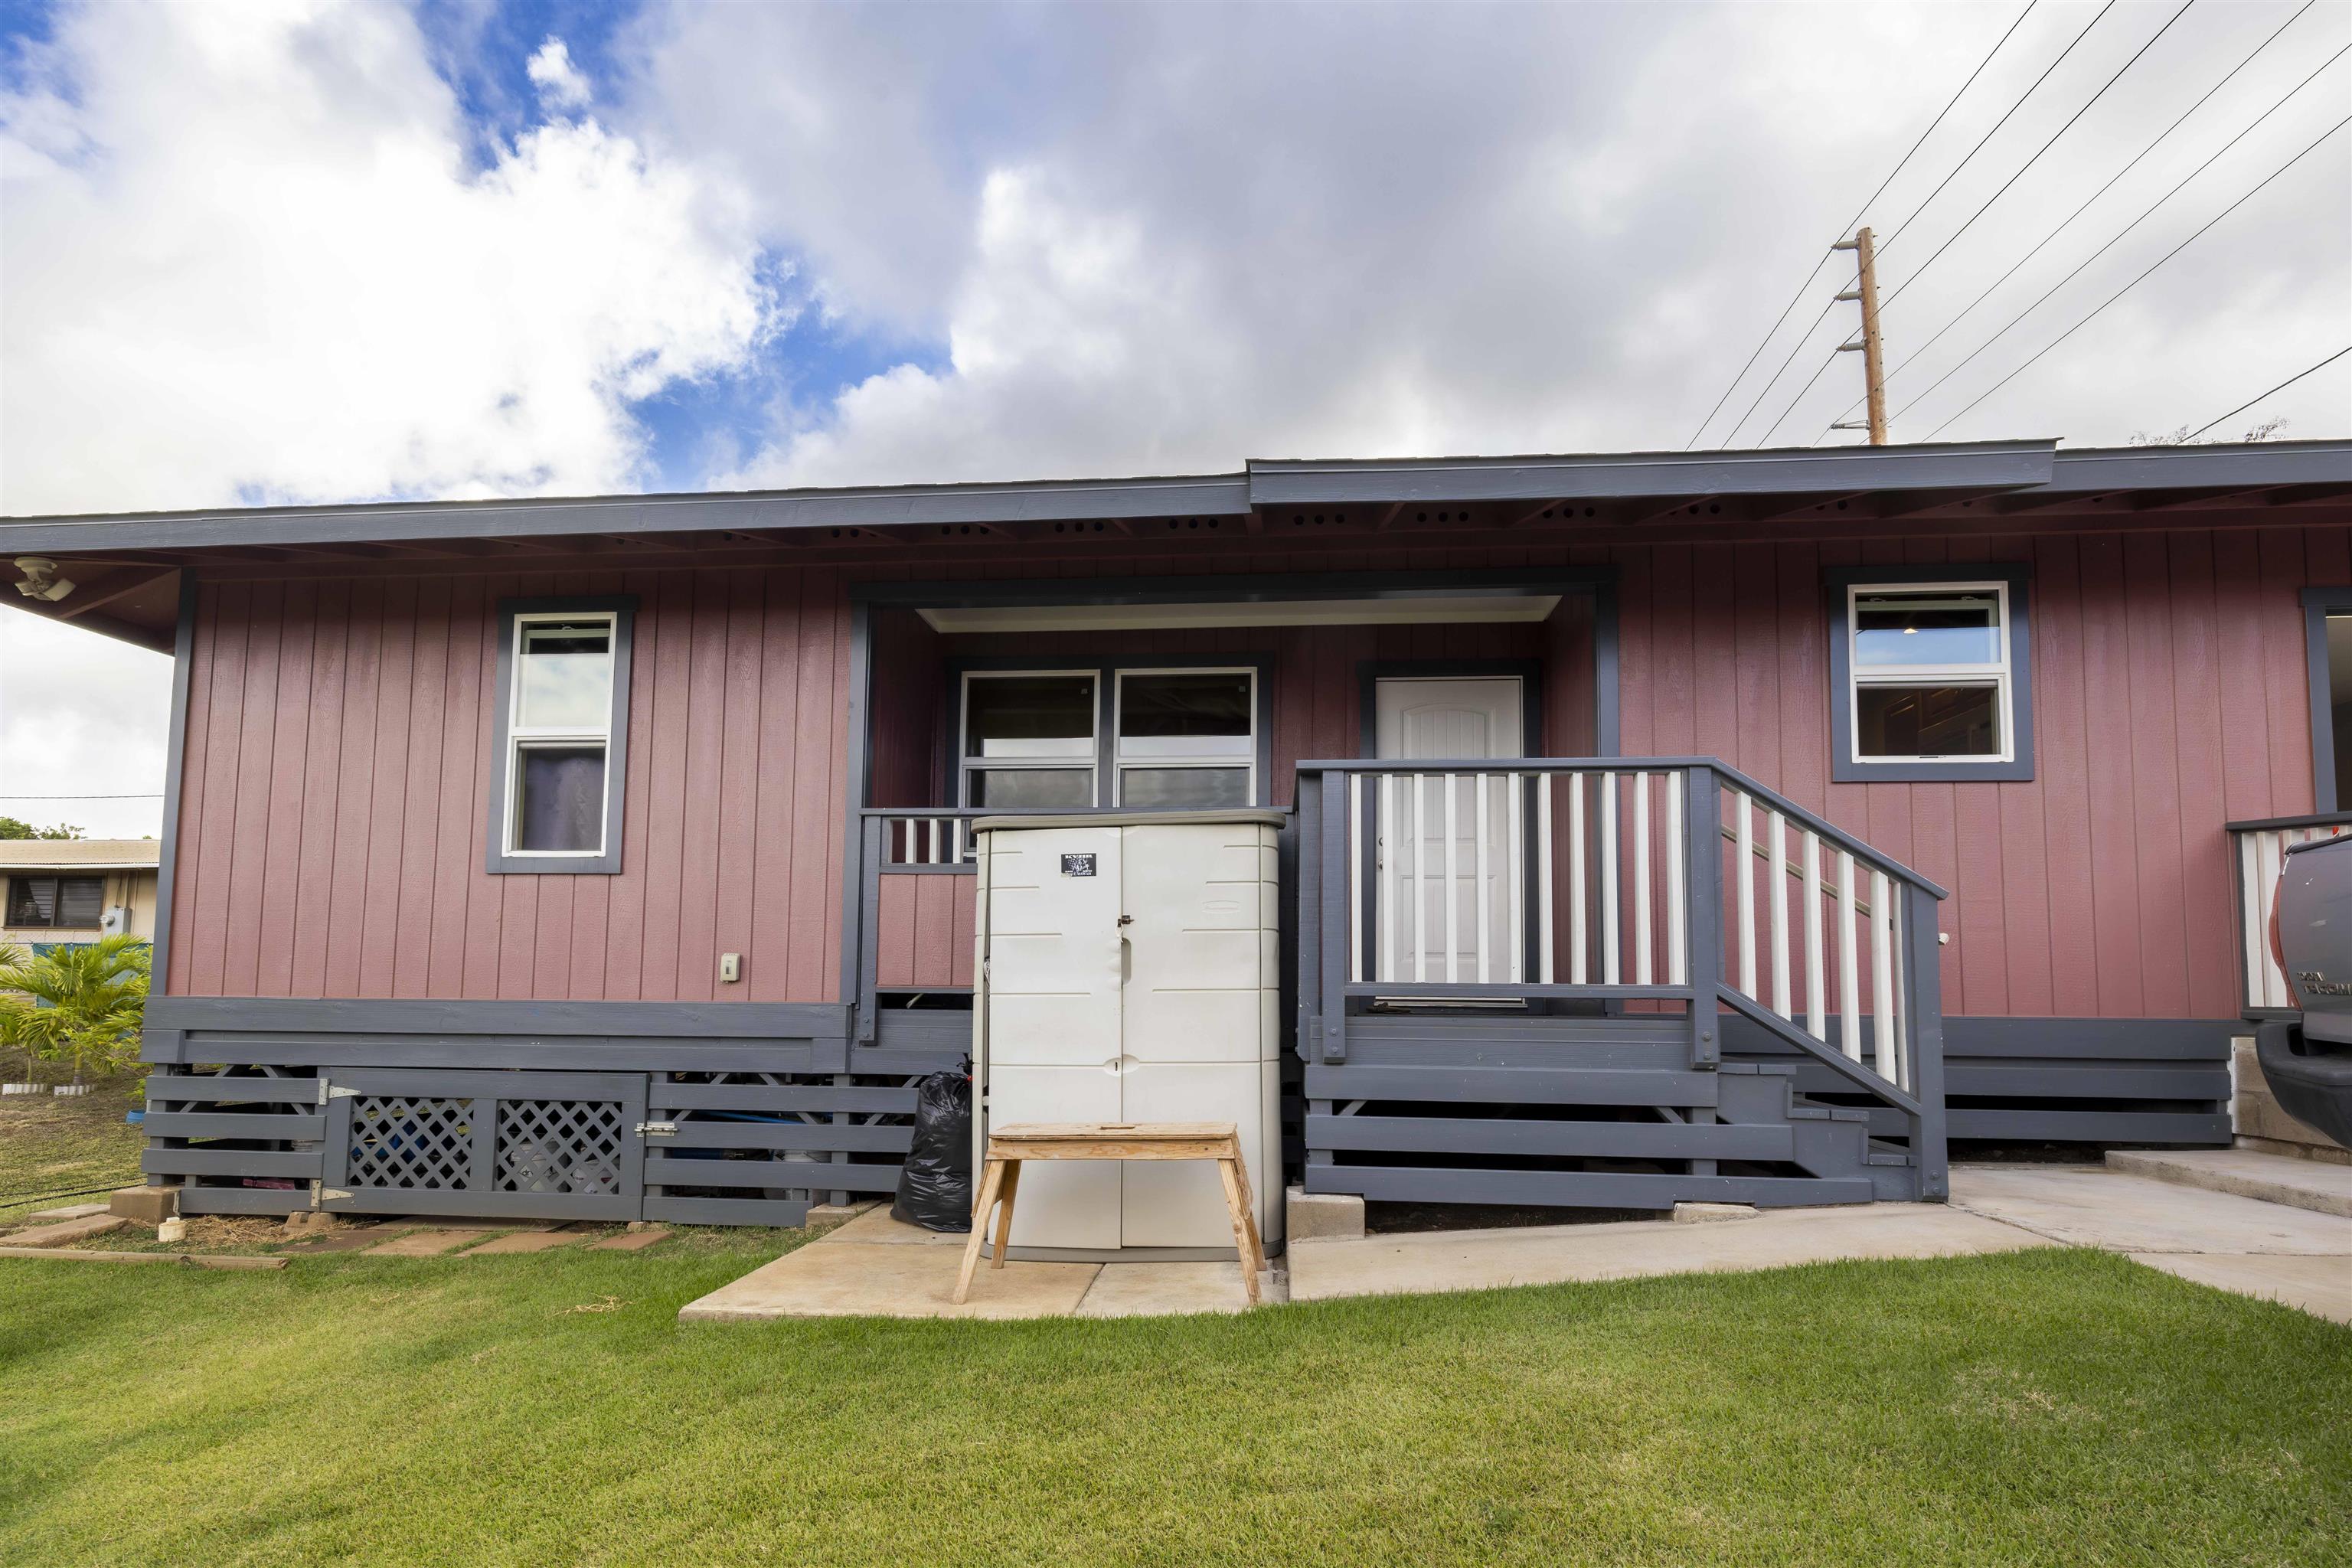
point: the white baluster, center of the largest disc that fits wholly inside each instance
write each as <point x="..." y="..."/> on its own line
<point x="1813" y="1023"/>
<point x="1609" y="943"/>
<point x="1849" y="969"/>
<point x="1480" y="782"/>
<point x="1516" y="807"/>
<point x="1779" y="824"/>
<point x="1544" y="876"/>
<point x="1452" y="880"/>
<point x="1353" y="878"/>
<point x="933" y="824"/>
<point x="1392" y="878"/>
<point x="1642" y="967"/>
<point x="1419" y="878"/>
<point x="1882" y="972"/>
<point x="1577" y="962"/>
<point x="1677" y="891"/>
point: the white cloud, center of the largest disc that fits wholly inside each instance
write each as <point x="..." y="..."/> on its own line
<point x="559" y="83"/>
<point x="245" y="257"/>
<point x="80" y="715"/>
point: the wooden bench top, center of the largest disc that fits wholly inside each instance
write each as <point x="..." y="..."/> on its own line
<point x="1118" y="1131"/>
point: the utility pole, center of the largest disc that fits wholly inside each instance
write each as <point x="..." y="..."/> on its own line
<point x="1874" y="373"/>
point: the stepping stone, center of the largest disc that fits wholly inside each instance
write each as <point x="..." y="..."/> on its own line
<point x="58" y="1217"/>
<point x="345" y="1241"/>
<point x="423" y="1244"/>
<point x="523" y="1241"/>
<point x="630" y="1240"/>
<point x="64" y="1231"/>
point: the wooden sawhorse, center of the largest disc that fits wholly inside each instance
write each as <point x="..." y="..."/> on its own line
<point x="1008" y="1146"/>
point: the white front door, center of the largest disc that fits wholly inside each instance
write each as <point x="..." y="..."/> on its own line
<point x="1449" y="905"/>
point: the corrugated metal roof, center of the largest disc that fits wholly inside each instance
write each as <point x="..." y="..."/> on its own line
<point x="78" y="853"/>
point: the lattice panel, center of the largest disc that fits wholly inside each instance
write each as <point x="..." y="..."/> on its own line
<point x="400" y="1142"/>
<point x="560" y="1146"/>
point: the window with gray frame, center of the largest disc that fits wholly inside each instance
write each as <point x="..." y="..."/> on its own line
<point x="1930" y="676"/>
<point x="563" y="730"/>
<point x="71" y="903"/>
<point x="1148" y="737"/>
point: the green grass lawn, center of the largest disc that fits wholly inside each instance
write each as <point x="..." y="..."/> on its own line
<point x="2047" y="1406"/>
<point x="50" y="1145"/>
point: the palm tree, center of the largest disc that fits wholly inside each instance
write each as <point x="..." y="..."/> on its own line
<point x="82" y="1003"/>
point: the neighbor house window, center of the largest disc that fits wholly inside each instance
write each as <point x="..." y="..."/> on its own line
<point x="1930" y="679"/>
<point x="1029" y="741"/>
<point x="563" y="723"/>
<point x="76" y="902"/>
<point x="1149" y="737"/>
<point x="1186" y="738"/>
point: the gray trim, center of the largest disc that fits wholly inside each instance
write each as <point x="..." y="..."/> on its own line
<point x="1978" y="466"/>
<point x="1240" y="588"/>
<point x="1843" y="769"/>
<point x="175" y="751"/>
<point x="623" y="608"/>
<point x="527" y="1020"/>
<point x="2224" y="466"/>
<point x="1582" y="1189"/>
<point x="2319" y="604"/>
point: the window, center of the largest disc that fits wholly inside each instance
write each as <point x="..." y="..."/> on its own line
<point x="1930" y="678"/>
<point x="1185" y="738"/>
<point x="1029" y="742"/>
<point x="563" y="673"/>
<point x="1147" y="738"/>
<point x="79" y="902"/>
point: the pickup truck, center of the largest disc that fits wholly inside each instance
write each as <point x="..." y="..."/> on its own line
<point x="2307" y="1058"/>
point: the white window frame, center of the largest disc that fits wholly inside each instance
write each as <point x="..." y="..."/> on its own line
<point x="1997" y="675"/>
<point x="968" y="764"/>
<point x="1120" y="759"/>
<point x="521" y="737"/>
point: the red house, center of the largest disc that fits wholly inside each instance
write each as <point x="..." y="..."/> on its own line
<point x="1733" y="825"/>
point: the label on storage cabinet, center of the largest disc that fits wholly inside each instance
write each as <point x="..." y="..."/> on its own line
<point x="1077" y="864"/>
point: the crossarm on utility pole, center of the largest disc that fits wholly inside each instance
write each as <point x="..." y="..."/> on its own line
<point x="1865" y="289"/>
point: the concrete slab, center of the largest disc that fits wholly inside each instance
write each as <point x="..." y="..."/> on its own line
<point x="523" y="1241"/>
<point x="2273" y="1178"/>
<point x="631" y="1240"/>
<point x="833" y="1277"/>
<point x="2320" y="1286"/>
<point x="876" y="1227"/>
<point x="821" y="1216"/>
<point x="1483" y="1259"/>
<point x="67" y="1230"/>
<point x="1166" y="1289"/>
<point x="59" y="1215"/>
<point x="2090" y="1205"/>
<point x="424" y="1244"/>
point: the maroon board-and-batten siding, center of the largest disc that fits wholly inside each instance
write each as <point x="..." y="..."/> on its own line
<point x="332" y="825"/>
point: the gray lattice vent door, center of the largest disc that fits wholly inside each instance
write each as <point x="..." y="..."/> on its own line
<point x="520" y="1145"/>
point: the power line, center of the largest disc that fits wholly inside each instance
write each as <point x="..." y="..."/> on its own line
<point x="2150" y="211"/>
<point x="2135" y="283"/>
<point x="2043" y="148"/>
<point x="1775" y="327"/>
<point x="2079" y="211"/>
<point x="2281" y="387"/>
<point x="1885" y="245"/>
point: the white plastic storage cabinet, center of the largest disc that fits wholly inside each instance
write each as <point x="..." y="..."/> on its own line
<point x="1128" y="969"/>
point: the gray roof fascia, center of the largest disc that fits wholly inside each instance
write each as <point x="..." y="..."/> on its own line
<point x="1217" y="495"/>
<point x="2237" y="465"/>
<point x="1976" y="466"/>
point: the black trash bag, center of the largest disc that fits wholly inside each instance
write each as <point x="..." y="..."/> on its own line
<point x="935" y="1185"/>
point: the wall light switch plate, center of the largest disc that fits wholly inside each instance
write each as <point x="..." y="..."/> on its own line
<point x="730" y="968"/>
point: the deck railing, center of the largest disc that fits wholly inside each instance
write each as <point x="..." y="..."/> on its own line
<point x="1656" y="884"/>
<point x="2259" y="848"/>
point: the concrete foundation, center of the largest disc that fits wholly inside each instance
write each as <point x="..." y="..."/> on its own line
<point x="1322" y="1217"/>
<point x="1701" y="1213"/>
<point x="2273" y="1178"/>
<point x="824" y="1217"/>
<point x="148" y="1206"/>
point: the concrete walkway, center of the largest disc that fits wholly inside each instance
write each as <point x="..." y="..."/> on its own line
<point x="874" y="1266"/>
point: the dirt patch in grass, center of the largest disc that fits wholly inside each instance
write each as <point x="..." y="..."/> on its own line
<point x="55" y="1151"/>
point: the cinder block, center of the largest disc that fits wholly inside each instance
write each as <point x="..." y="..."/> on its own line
<point x="1322" y="1217"/>
<point x="1703" y="1214"/>
<point x="148" y="1206"/>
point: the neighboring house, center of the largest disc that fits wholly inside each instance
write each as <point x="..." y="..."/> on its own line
<point x="1736" y="824"/>
<point x="59" y="891"/>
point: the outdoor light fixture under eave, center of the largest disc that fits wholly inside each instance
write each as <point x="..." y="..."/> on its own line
<point x="41" y="580"/>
